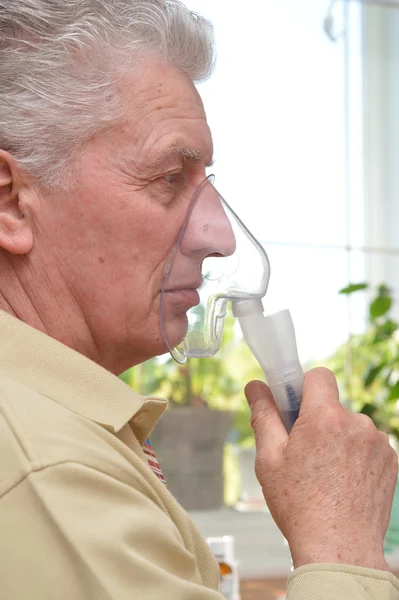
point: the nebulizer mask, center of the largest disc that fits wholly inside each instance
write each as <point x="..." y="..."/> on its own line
<point x="214" y="261"/>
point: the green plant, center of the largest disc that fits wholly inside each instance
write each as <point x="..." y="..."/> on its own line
<point x="367" y="365"/>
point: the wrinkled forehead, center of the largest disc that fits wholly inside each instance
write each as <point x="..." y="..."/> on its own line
<point x="163" y="114"/>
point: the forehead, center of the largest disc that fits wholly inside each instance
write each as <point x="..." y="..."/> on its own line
<point x="164" y="114"/>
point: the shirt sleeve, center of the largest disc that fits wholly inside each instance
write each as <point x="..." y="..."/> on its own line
<point x="341" y="582"/>
<point x="70" y="531"/>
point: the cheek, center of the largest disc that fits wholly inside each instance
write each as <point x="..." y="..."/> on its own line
<point x="123" y="242"/>
<point x="152" y="242"/>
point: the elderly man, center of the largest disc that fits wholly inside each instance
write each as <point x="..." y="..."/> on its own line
<point x="103" y="141"/>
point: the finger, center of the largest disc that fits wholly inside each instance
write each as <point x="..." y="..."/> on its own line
<point x="270" y="434"/>
<point x="319" y="389"/>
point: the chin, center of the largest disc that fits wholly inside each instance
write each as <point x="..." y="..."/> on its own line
<point x="176" y="331"/>
<point x="155" y="344"/>
<point x="150" y="342"/>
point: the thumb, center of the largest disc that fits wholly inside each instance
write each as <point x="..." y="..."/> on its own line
<point x="270" y="434"/>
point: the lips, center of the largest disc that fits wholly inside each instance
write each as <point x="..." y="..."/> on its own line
<point x="195" y="285"/>
<point x="184" y="298"/>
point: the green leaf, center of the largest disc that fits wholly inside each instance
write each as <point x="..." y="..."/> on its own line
<point x="380" y="306"/>
<point x="394" y="393"/>
<point x="385" y="331"/>
<point x="372" y="372"/>
<point x="353" y="287"/>
<point x="388" y="378"/>
<point x="368" y="409"/>
<point x="384" y="290"/>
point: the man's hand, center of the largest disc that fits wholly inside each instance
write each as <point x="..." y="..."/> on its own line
<point x="330" y="484"/>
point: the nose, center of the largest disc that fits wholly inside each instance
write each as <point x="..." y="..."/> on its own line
<point x="208" y="231"/>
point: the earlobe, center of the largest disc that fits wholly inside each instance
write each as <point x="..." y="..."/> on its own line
<point x="16" y="235"/>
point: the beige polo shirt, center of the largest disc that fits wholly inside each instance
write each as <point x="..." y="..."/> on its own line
<point x="82" y="515"/>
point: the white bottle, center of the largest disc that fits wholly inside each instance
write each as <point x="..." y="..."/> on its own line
<point x="223" y="550"/>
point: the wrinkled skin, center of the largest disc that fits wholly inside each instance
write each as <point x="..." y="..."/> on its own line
<point x="330" y="484"/>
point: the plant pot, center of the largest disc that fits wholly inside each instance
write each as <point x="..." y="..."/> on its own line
<point x="189" y="444"/>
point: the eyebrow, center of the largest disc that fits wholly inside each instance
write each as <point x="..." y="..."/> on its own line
<point x="189" y="154"/>
<point x="161" y="160"/>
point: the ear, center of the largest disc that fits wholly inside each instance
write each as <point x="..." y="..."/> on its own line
<point x="16" y="235"/>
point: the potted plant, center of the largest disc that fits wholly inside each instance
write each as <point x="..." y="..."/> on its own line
<point x="367" y="369"/>
<point x="367" y="364"/>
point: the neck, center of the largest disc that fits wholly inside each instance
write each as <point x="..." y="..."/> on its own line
<point x="45" y="303"/>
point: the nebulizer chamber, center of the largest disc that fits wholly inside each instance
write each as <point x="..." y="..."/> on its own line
<point x="272" y="341"/>
<point x="217" y="254"/>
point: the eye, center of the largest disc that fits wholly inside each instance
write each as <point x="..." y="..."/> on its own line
<point x="173" y="177"/>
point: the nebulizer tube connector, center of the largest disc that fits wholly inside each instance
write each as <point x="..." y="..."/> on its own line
<point x="272" y="341"/>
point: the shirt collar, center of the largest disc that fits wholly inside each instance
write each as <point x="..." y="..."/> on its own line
<point x="62" y="374"/>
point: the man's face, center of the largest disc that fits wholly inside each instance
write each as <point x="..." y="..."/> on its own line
<point x="110" y="237"/>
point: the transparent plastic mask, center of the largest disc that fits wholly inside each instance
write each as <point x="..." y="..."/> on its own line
<point x="215" y="260"/>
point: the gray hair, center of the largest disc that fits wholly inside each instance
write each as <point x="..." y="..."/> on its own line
<point x="60" y="61"/>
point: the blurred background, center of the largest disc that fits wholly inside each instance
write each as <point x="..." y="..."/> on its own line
<point x="304" y="111"/>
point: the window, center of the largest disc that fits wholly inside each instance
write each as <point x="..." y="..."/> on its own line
<point x="278" y="108"/>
